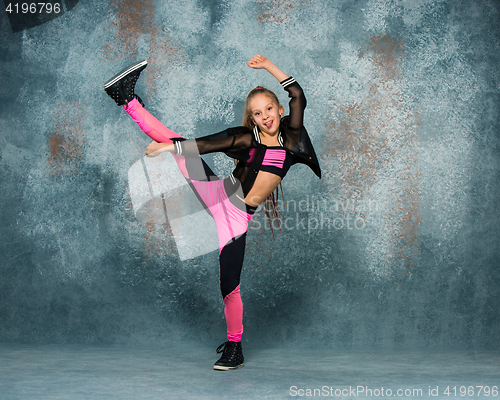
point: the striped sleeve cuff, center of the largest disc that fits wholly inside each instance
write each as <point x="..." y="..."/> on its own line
<point x="185" y="147"/>
<point x="178" y="148"/>
<point x="287" y="82"/>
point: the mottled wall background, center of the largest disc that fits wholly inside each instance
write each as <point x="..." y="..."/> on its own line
<point x="396" y="246"/>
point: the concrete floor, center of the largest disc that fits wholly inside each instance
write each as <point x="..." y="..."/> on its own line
<point x="99" y="372"/>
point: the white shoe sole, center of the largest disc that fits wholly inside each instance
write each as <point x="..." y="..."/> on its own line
<point x="125" y="72"/>
<point x="222" y="368"/>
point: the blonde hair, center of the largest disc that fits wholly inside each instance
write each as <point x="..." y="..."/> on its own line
<point x="247" y="113"/>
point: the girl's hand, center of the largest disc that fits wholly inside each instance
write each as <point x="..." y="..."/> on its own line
<point x="154" y="149"/>
<point x="259" y="62"/>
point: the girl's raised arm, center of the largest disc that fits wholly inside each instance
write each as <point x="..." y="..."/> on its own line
<point x="260" y="62"/>
<point x="298" y="101"/>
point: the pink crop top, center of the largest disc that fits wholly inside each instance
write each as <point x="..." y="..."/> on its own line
<point x="276" y="160"/>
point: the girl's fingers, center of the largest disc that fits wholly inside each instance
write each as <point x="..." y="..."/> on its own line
<point x="256" y="60"/>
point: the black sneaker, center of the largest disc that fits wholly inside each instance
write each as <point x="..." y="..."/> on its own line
<point x="121" y="87"/>
<point x="232" y="356"/>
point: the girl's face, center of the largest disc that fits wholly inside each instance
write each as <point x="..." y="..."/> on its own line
<point x="266" y="114"/>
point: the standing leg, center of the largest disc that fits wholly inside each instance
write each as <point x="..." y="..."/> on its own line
<point x="231" y="264"/>
<point x="232" y="225"/>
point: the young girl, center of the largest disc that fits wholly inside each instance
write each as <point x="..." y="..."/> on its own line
<point x="265" y="147"/>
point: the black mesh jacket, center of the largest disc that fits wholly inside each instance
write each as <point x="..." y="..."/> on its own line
<point x="237" y="142"/>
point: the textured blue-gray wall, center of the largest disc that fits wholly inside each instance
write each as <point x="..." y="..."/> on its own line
<point x="397" y="245"/>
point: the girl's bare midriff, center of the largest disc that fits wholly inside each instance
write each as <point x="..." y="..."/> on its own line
<point x="264" y="185"/>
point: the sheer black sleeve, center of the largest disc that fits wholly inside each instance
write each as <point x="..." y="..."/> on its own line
<point x="232" y="139"/>
<point x="297" y="103"/>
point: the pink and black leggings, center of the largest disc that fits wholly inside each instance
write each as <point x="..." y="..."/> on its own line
<point x="231" y="214"/>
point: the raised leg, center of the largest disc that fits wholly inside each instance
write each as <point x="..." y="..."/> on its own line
<point x="148" y="123"/>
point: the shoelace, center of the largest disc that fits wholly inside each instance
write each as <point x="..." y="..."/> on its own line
<point x="228" y="351"/>
<point x="222" y="347"/>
